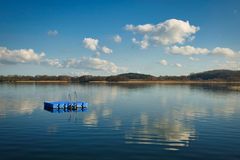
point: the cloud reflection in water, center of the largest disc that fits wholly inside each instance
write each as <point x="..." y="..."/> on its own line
<point x="164" y="131"/>
<point x="168" y="120"/>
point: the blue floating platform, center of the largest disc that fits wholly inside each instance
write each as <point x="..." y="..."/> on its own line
<point x="83" y="109"/>
<point x="65" y="105"/>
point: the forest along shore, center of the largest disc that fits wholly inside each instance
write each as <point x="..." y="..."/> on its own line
<point x="214" y="76"/>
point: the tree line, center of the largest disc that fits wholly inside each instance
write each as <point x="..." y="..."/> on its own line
<point x="214" y="75"/>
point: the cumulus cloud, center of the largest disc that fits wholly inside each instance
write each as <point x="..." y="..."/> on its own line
<point x="8" y="56"/>
<point x="87" y="63"/>
<point x="81" y="73"/>
<point x="169" y="32"/>
<point x="143" y="43"/>
<point x="233" y="65"/>
<point x="24" y="56"/>
<point x="117" y="39"/>
<point x="224" y="51"/>
<point x="228" y="64"/>
<point x="106" y="50"/>
<point x="93" y="45"/>
<point x="145" y="28"/>
<point x="190" y="50"/>
<point x="90" y="43"/>
<point x="93" y="64"/>
<point x="194" y="59"/>
<point x="52" y="33"/>
<point x="187" y="50"/>
<point x="52" y="62"/>
<point x="97" y="54"/>
<point x="178" y="65"/>
<point x="163" y="62"/>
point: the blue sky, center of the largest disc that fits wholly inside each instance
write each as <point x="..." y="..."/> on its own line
<point x="170" y="37"/>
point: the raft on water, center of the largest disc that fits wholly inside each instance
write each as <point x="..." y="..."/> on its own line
<point x="65" y="105"/>
<point x="82" y="109"/>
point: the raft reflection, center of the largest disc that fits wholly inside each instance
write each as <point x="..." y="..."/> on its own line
<point x="81" y="109"/>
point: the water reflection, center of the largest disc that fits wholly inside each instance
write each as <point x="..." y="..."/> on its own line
<point x="22" y="106"/>
<point x="159" y="115"/>
<point x="102" y="95"/>
<point x="166" y="131"/>
<point x="107" y="113"/>
<point x="91" y="119"/>
<point x="82" y="109"/>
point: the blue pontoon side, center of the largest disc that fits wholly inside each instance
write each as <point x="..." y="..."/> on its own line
<point x="65" y="104"/>
<point x="82" y="109"/>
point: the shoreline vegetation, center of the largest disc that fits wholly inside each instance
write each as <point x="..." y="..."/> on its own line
<point x="37" y="81"/>
<point x="167" y="82"/>
<point x="211" y="77"/>
<point x="136" y="82"/>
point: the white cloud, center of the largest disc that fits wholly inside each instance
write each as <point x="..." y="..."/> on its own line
<point x="81" y="73"/>
<point x="106" y="50"/>
<point x="186" y="50"/>
<point x="97" y="54"/>
<point x="143" y="43"/>
<point x="8" y="56"/>
<point x="194" y="59"/>
<point x="163" y="62"/>
<point x="233" y="65"/>
<point x="86" y="63"/>
<point x="52" y="33"/>
<point x="145" y="28"/>
<point x="52" y="62"/>
<point x="190" y="50"/>
<point x="169" y="32"/>
<point x="91" y="43"/>
<point x="178" y="65"/>
<point x="29" y="56"/>
<point x="93" y="64"/>
<point x="117" y="39"/>
<point x="224" y="51"/>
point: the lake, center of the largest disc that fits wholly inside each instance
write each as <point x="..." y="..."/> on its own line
<point x="137" y="121"/>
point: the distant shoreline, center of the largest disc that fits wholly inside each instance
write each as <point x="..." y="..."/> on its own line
<point x="230" y="85"/>
<point x="207" y="77"/>
<point x="165" y="82"/>
<point x="41" y="81"/>
<point x="137" y="82"/>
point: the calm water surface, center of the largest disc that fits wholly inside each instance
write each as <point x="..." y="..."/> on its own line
<point x="122" y="122"/>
